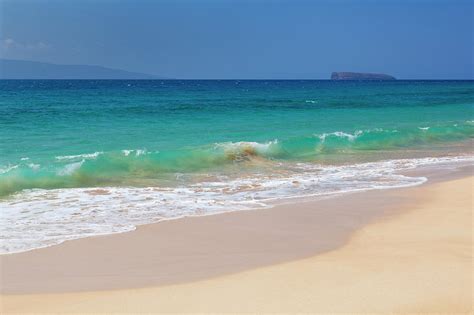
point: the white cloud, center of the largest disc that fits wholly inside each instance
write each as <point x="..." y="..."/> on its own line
<point x="11" y="48"/>
<point x="8" y="42"/>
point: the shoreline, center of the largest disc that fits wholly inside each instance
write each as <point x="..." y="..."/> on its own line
<point x="114" y="210"/>
<point x="432" y="170"/>
<point x="417" y="257"/>
<point x="308" y="230"/>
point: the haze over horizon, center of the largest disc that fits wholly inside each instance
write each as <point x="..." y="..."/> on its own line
<point x="245" y="39"/>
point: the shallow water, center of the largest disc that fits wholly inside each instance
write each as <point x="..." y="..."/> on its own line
<point x="80" y="158"/>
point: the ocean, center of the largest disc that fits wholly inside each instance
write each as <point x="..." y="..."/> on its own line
<point x="88" y="157"/>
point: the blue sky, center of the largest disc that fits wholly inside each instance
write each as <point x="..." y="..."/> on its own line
<point x="246" y="39"/>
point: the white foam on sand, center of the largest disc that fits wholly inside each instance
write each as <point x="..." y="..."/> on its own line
<point x="38" y="218"/>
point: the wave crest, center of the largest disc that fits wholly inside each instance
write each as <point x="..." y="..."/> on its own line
<point x="119" y="167"/>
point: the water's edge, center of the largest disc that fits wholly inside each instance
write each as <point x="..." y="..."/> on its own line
<point x="413" y="175"/>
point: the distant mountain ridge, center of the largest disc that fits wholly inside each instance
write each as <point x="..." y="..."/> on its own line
<point x="23" y="69"/>
<point x="360" y="76"/>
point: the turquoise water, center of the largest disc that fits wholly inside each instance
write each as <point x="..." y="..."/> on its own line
<point x="236" y="142"/>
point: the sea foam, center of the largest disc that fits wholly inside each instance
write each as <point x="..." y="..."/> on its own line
<point x="79" y="156"/>
<point x="37" y="217"/>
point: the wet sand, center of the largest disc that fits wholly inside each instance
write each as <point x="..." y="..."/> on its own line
<point x="403" y="250"/>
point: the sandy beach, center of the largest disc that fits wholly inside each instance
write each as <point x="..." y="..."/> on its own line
<point x="236" y="157"/>
<point x="394" y="251"/>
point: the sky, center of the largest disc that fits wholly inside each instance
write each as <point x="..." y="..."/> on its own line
<point x="259" y="39"/>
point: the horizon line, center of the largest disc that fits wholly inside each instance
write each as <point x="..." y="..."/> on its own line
<point x="234" y="79"/>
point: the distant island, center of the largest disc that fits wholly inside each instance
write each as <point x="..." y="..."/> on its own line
<point x="360" y="76"/>
<point x="22" y="69"/>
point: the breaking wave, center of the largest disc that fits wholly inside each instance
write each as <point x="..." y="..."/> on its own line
<point x="119" y="167"/>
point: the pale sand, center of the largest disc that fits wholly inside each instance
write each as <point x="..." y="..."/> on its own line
<point x="419" y="260"/>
